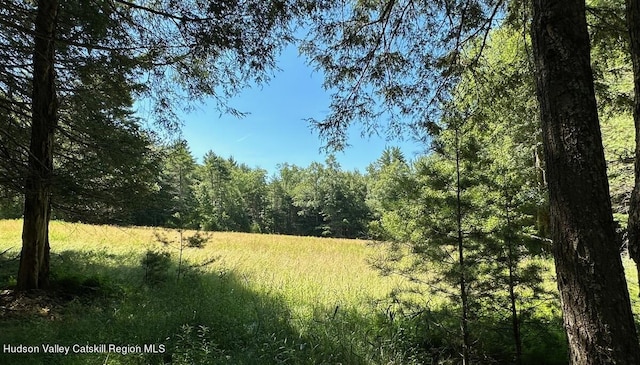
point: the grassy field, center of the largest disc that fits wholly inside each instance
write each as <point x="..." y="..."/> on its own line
<point x="258" y="299"/>
<point x="262" y="299"/>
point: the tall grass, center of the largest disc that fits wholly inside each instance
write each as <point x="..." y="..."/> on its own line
<point x="260" y="299"/>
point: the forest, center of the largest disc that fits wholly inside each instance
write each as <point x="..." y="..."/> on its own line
<point x="528" y="112"/>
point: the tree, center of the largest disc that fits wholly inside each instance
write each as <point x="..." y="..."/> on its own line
<point x="308" y="197"/>
<point x="94" y="181"/>
<point x="355" y="212"/>
<point x="213" y="195"/>
<point x="34" y="258"/>
<point x="501" y="89"/>
<point x="10" y="204"/>
<point x="633" y="26"/>
<point x="392" y="53"/>
<point x="163" y="51"/>
<point x="463" y="219"/>
<point x="589" y="269"/>
<point x="252" y="189"/>
<point x="389" y="184"/>
<point x="330" y="202"/>
<point x="179" y="180"/>
<point x="391" y="64"/>
<point x="341" y="197"/>
<point x="281" y="212"/>
<point x="456" y="200"/>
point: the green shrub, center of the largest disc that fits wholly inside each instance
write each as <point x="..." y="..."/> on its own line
<point x="156" y="266"/>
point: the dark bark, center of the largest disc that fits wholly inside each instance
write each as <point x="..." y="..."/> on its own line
<point x="595" y="299"/>
<point x="34" y="259"/>
<point x="464" y="296"/>
<point x="512" y="263"/>
<point x="515" y="321"/>
<point x="633" y="25"/>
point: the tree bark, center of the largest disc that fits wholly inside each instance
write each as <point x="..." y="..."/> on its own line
<point x="633" y="227"/>
<point x="34" y="258"/>
<point x="595" y="298"/>
<point x="464" y="295"/>
<point x="512" y="262"/>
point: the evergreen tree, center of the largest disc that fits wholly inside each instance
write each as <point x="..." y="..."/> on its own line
<point x="633" y="26"/>
<point x="252" y="189"/>
<point x="390" y="181"/>
<point x="281" y="212"/>
<point x="588" y="265"/>
<point x="215" y="176"/>
<point x="54" y="50"/>
<point x="179" y="178"/>
<point x="384" y="58"/>
<point x="308" y="198"/>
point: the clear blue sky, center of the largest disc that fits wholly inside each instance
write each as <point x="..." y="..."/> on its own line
<point x="275" y="130"/>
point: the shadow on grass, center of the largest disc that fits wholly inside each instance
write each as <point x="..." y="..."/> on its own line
<point x="214" y="317"/>
<point x="203" y="318"/>
<point x="433" y="337"/>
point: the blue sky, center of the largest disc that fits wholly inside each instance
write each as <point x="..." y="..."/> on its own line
<point x="275" y="130"/>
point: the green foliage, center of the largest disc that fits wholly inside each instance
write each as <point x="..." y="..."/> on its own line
<point x="96" y="179"/>
<point x="10" y="204"/>
<point x="231" y="196"/>
<point x="179" y="178"/>
<point x="390" y="64"/>
<point x="481" y="191"/>
<point x="197" y="240"/>
<point x="193" y="346"/>
<point x="156" y="265"/>
<point x="468" y="212"/>
<point x="329" y="201"/>
<point x="84" y="68"/>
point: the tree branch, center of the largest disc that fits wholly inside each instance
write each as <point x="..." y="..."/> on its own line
<point x="162" y="13"/>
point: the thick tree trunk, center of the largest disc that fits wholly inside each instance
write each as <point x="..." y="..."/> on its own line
<point x="34" y="259"/>
<point x="633" y="25"/>
<point x="595" y="299"/>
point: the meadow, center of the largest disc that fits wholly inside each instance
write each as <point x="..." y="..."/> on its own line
<point x="238" y="299"/>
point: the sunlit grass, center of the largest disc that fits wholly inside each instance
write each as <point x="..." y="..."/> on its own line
<point x="326" y="289"/>
<point x="263" y="298"/>
<point x="306" y="270"/>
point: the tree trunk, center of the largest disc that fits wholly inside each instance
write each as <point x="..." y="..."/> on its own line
<point x="34" y="258"/>
<point x="464" y="295"/>
<point x="633" y="25"/>
<point x="595" y="299"/>
<point x="512" y="263"/>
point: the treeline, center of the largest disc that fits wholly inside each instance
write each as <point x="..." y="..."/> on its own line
<point x="222" y="194"/>
<point x="489" y="132"/>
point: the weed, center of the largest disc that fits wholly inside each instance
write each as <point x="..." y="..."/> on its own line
<point x="193" y="346"/>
